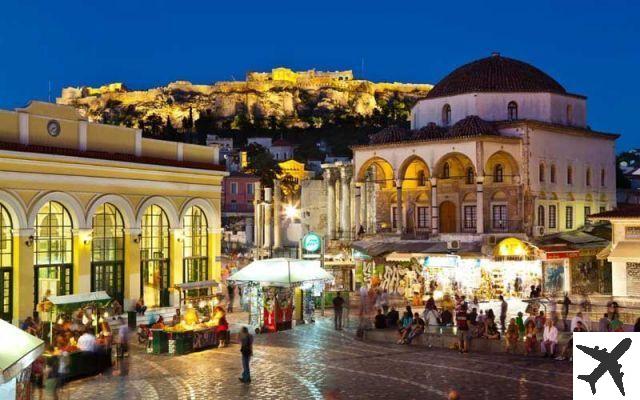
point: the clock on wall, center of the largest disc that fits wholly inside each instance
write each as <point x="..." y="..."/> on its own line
<point x="53" y="127"/>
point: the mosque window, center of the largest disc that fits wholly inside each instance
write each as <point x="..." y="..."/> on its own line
<point x="446" y="114"/>
<point x="552" y="174"/>
<point x="602" y="176"/>
<point x="470" y="176"/>
<point x="446" y="171"/>
<point x="512" y="110"/>
<point x="569" y="176"/>
<point x="541" y="173"/>
<point x="498" y="173"/>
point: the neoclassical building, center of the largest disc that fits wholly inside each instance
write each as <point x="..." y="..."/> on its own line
<point x="496" y="147"/>
<point x="87" y="207"/>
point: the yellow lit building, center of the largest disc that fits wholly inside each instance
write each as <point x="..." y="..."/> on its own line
<point x="292" y="174"/>
<point x="86" y="207"/>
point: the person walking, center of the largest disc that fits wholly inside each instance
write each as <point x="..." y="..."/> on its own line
<point x="503" y="312"/>
<point x="231" y="293"/>
<point x="338" y="303"/>
<point x="384" y="301"/>
<point x="566" y="302"/>
<point x="246" y="348"/>
<point x="463" y="328"/>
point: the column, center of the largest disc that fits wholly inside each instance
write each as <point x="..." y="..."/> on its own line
<point x="131" y="267"/>
<point x="345" y="202"/>
<point x="267" y="218"/>
<point x="277" y="214"/>
<point x="257" y="206"/>
<point x="248" y="230"/>
<point x="82" y="260"/>
<point x="435" y="227"/>
<point x="215" y="241"/>
<point x="356" y="209"/>
<point x="331" y="204"/>
<point x="23" y="273"/>
<point x="176" y="272"/>
<point x="479" y="205"/>
<point x="399" y="209"/>
<point x="364" y="197"/>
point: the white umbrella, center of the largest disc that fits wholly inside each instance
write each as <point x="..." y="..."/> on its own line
<point x="282" y="271"/>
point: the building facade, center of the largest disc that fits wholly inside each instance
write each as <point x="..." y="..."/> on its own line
<point x="238" y="193"/>
<point x="496" y="147"/>
<point x="87" y="207"/>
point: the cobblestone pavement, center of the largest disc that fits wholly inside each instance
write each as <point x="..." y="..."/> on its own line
<point x="316" y="362"/>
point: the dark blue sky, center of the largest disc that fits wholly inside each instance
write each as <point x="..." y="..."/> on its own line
<point x="590" y="47"/>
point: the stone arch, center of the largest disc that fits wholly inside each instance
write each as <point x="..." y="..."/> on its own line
<point x="458" y="164"/>
<point x="166" y="205"/>
<point x="588" y="197"/>
<point x="499" y="195"/>
<point x="16" y="209"/>
<point x="507" y="161"/>
<point x="414" y="173"/>
<point x="382" y="171"/>
<point x="73" y="206"/>
<point x="204" y="205"/>
<point x="122" y="204"/>
<point x="469" y="197"/>
<point x="570" y="197"/>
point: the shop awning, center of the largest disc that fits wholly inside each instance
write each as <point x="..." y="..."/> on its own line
<point x="71" y="301"/>
<point x="625" y="250"/>
<point x="604" y="253"/>
<point x="282" y="271"/>
<point x="19" y="350"/>
<point x="378" y="248"/>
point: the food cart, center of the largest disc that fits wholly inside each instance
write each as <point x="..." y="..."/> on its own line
<point x="19" y="351"/>
<point x="202" y="322"/>
<point x="272" y="283"/>
<point x="93" y="308"/>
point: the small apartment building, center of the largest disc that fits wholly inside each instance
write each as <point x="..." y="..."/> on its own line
<point x="87" y="207"/>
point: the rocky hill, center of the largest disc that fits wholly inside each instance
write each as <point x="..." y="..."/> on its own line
<point x="294" y="99"/>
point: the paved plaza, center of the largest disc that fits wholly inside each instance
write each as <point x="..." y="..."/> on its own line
<point x="316" y="362"/>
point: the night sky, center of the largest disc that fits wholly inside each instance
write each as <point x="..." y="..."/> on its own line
<point x="590" y="47"/>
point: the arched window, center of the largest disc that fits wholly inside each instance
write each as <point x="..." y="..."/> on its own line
<point x="195" y="247"/>
<point x="470" y="176"/>
<point x="154" y="257"/>
<point x="422" y="178"/>
<point x="602" y="177"/>
<point x="587" y="177"/>
<point x="6" y="265"/>
<point x="512" y="111"/>
<point x="552" y="174"/>
<point x="446" y="114"/>
<point x="53" y="251"/>
<point x="541" y="172"/>
<point x="498" y="173"/>
<point x="541" y="219"/>
<point x="107" y="252"/>
<point x="569" y="175"/>
<point x="569" y="114"/>
<point x="446" y="171"/>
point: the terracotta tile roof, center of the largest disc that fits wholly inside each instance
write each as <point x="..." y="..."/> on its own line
<point x="495" y="74"/>
<point x="101" y="155"/>
<point x="430" y="131"/>
<point x="472" y="126"/>
<point x="629" y="211"/>
<point x="390" y="134"/>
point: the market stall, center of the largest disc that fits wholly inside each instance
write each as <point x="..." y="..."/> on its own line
<point x="71" y="316"/>
<point x="19" y="351"/>
<point x="272" y="283"/>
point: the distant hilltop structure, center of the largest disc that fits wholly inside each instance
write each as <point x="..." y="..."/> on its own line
<point x="294" y="97"/>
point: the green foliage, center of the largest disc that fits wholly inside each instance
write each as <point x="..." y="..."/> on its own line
<point x="260" y="162"/>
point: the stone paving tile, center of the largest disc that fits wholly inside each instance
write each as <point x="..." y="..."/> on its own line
<point x="316" y="362"/>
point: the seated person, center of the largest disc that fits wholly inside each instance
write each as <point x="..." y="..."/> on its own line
<point x="549" y="339"/>
<point x="530" y="339"/>
<point x="405" y="325"/>
<point x="176" y="317"/>
<point x="392" y="318"/>
<point x="511" y="337"/>
<point x="491" y="330"/>
<point x="140" y="308"/>
<point x="417" y="329"/>
<point x="431" y="317"/>
<point x="446" y="318"/>
<point x="87" y="342"/>
<point x="116" y="308"/>
<point x="380" y="320"/>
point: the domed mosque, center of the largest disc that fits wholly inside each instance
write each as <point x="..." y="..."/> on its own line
<point x="497" y="147"/>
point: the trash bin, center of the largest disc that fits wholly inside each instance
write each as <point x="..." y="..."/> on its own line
<point x="160" y="341"/>
<point x="132" y="319"/>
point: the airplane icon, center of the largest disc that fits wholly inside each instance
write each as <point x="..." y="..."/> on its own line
<point x="608" y="363"/>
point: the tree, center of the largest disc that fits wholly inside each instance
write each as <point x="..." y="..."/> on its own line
<point x="169" y="132"/>
<point x="153" y="125"/>
<point x="260" y="162"/>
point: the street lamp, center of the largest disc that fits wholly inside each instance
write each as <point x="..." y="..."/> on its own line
<point x="291" y="212"/>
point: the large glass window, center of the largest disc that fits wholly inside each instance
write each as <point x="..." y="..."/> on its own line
<point x="195" y="254"/>
<point x="107" y="252"/>
<point x="470" y="217"/>
<point x="552" y="217"/>
<point x="53" y="246"/>
<point x="569" y="217"/>
<point x="6" y="265"/>
<point x="512" y="111"/>
<point x="541" y="215"/>
<point x="423" y="217"/>
<point x="154" y="257"/>
<point x="499" y="217"/>
<point x="446" y="114"/>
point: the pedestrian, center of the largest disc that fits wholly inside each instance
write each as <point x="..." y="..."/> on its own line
<point x="246" y="348"/>
<point x="380" y="321"/>
<point x="530" y="340"/>
<point x="566" y="302"/>
<point x="503" y="312"/>
<point x="616" y="325"/>
<point x="231" y="293"/>
<point x="520" y="323"/>
<point x="123" y="338"/>
<point x="384" y="301"/>
<point x="338" y="303"/>
<point x="511" y="336"/>
<point x="463" y="328"/>
<point x="549" y="339"/>
<point x="392" y="318"/>
<point x="576" y="319"/>
<point x="603" y="324"/>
